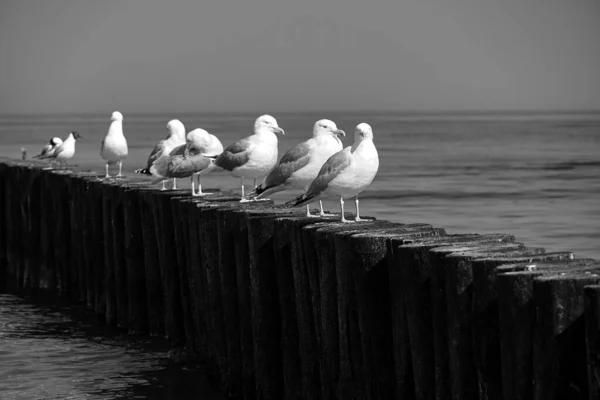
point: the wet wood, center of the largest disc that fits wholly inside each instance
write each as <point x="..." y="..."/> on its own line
<point x="278" y="305"/>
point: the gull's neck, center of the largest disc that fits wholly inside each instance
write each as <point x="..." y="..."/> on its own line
<point x="116" y="128"/>
<point x="361" y="144"/>
<point x="266" y="135"/>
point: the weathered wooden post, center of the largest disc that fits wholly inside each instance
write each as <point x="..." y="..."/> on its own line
<point x="485" y="325"/>
<point x="515" y="285"/>
<point x="155" y="298"/>
<point x="592" y="339"/>
<point x="135" y="261"/>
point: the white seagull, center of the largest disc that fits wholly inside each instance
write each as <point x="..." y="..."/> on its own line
<point x="346" y="173"/>
<point x="114" y="146"/>
<point x="253" y="156"/>
<point x="204" y="143"/>
<point x="187" y="161"/>
<point x="49" y="149"/>
<point x="66" y="150"/>
<point x="164" y="147"/>
<point x="300" y="165"/>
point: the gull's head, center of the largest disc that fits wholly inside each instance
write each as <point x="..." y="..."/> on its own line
<point x="197" y="135"/>
<point x="116" y="116"/>
<point x="269" y="123"/>
<point x="327" y="127"/>
<point x="55" y="141"/>
<point x="76" y="135"/>
<point x="363" y="131"/>
<point x="196" y="140"/>
<point x="176" y="128"/>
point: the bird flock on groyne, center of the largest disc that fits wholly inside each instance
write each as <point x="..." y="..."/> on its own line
<point x="320" y="166"/>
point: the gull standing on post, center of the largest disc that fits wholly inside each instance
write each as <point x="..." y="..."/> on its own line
<point x="185" y="161"/>
<point x="300" y="165"/>
<point x="164" y="147"/>
<point x="114" y="146"/>
<point x="66" y="150"/>
<point x="346" y="173"/>
<point x="49" y="149"/>
<point x="205" y="144"/>
<point x="253" y="156"/>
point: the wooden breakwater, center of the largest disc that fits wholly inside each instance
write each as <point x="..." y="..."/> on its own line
<point x="281" y="306"/>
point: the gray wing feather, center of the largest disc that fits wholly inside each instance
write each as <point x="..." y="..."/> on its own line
<point x="155" y="154"/>
<point x="235" y="155"/>
<point x="294" y="159"/>
<point x="329" y="171"/>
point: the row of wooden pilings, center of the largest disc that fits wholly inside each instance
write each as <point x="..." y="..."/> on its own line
<point x="281" y="306"/>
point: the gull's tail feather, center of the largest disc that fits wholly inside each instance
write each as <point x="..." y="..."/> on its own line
<point x="39" y="156"/>
<point x="301" y="200"/>
<point x="144" y="171"/>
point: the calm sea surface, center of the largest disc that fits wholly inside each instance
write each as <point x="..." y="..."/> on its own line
<point x="59" y="353"/>
<point x="534" y="176"/>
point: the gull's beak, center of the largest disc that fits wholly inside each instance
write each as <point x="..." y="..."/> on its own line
<point x="277" y="129"/>
<point x="340" y="132"/>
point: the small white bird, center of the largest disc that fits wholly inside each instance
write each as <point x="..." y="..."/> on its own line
<point x="253" y="156"/>
<point x="300" y="165"/>
<point x="66" y="150"/>
<point x="201" y="142"/>
<point x="176" y="137"/>
<point x="187" y="161"/>
<point x="49" y="149"/>
<point x="346" y="173"/>
<point x="114" y="146"/>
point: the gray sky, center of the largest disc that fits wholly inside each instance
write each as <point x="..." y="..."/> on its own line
<point x="302" y="55"/>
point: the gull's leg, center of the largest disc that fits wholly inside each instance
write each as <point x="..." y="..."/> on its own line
<point x="200" y="187"/>
<point x="163" y="186"/>
<point x="120" y="168"/>
<point x="308" y="214"/>
<point x="174" y="183"/>
<point x="193" y="189"/>
<point x="357" y="211"/>
<point x="342" y="207"/>
<point x="244" y="199"/>
<point x="254" y="183"/>
<point x="107" y="174"/>
<point x="323" y="213"/>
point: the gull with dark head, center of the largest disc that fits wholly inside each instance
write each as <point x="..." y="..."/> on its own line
<point x="114" y="146"/>
<point x="185" y="162"/>
<point x="346" y="173"/>
<point x="49" y="149"/>
<point x="300" y="165"/>
<point x="253" y="156"/>
<point x="176" y="137"/>
<point x="66" y="150"/>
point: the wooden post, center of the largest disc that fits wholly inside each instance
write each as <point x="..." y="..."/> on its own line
<point x="559" y="355"/>
<point x="266" y="325"/>
<point x="135" y="261"/>
<point x="485" y="326"/>
<point x="592" y="336"/>
<point x="155" y="298"/>
<point x="515" y="285"/>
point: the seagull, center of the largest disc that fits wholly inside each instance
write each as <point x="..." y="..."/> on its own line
<point x="114" y="145"/>
<point x="175" y="138"/>
<point x="49" y="149"/>
<point x="253" y="156"/>
<point x="188" y="164"/>
<point x="300" y="165"/>
<point x="346" y="173"/>
<point x="201" y="142"/>
<point x="66" y="150"/>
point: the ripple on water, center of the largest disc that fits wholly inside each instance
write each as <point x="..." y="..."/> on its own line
<point x="48" y="354"/>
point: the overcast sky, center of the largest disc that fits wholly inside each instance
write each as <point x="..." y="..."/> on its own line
<point x="72" y="56"/>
